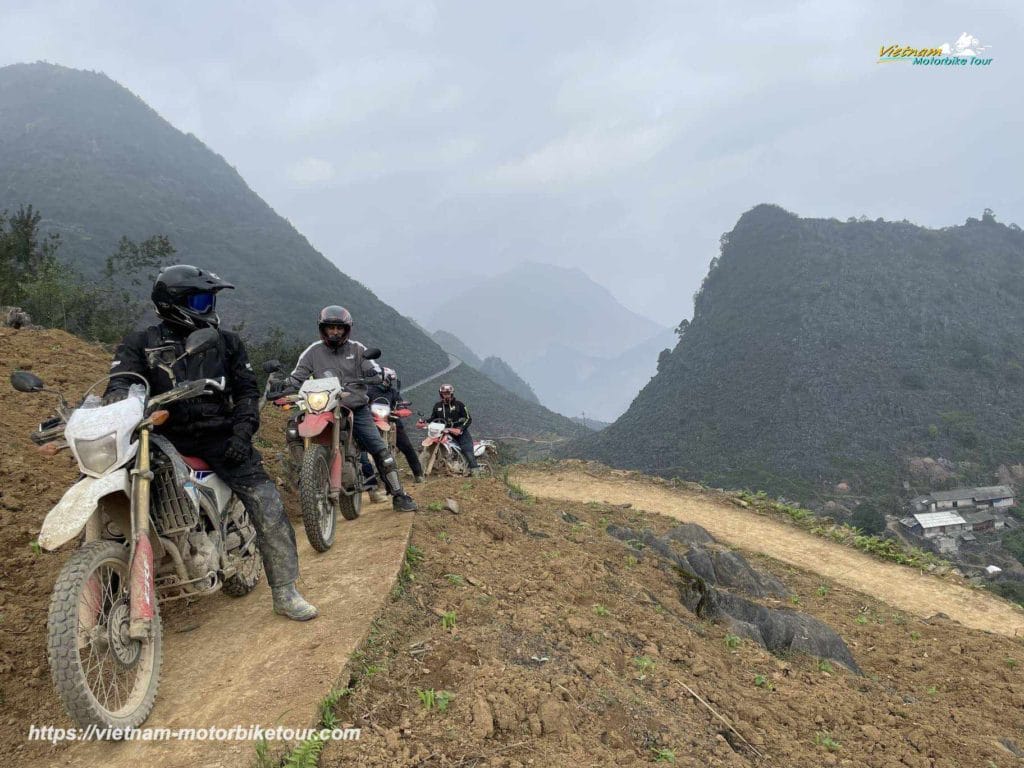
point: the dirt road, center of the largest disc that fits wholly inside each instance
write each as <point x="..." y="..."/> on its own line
<point x="231" y="662"/>
<point x="905" y="588"/>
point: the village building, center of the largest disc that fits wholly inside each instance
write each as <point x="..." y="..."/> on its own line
<point x="933" y="524"/>
<point x="965" y="499"/>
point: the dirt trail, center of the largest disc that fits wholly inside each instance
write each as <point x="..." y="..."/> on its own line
<point x="232" y="662"/>
<point x="905" y="588"/>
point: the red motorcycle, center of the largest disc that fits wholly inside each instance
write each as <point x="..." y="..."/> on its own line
<point x="330" y="479"/>
<point x="385" y="419"/>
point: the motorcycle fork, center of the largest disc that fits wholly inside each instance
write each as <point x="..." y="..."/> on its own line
<point x="337" y="457"/>
<point x="141" y="580"/>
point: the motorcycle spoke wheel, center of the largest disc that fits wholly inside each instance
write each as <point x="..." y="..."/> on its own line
<point x="103" y="676"/>
<point x="319" y="516"/>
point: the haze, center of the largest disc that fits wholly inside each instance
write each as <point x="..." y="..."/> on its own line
<point x="420" y="145"/>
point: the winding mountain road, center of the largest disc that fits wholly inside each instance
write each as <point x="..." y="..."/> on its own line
<point x="453" y="363"/>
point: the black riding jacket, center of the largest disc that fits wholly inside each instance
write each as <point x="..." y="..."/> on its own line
<point x="210" y="417"/>
<point x="453" y="414"/>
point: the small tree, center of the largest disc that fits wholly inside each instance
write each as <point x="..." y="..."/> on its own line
<point x="56" y="296"/>
<point x="869" y="518"/>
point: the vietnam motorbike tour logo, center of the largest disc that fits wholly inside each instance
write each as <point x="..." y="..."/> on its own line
<point x="967" y="51"/>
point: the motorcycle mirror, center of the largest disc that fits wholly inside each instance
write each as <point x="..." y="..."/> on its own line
<point x="202" y="340"/>
<point x="371" y="354"/>
<point x="24" y="381"/>
<point x="271" y="366"/>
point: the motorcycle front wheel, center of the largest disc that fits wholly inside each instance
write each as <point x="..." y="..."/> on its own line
<point x="456" y="462"/>
<point x="319" y="517"/>
<point x="102" y="676"/>
<point x="428" y="456"/>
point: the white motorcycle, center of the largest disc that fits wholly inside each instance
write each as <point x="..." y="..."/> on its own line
<point x="158" y="526"/>
<point x="440" y="444"/>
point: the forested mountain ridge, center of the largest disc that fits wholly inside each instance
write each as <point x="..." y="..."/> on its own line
<point x="823" y="352"/>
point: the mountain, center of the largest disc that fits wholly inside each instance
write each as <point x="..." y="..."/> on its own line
<point x="823" y="352"/>
<point x="591" y="386"/>
<point x="453" y="345"/>
<point x="99" y="163"/>
<point x="555" y="326"/>
<point x="500" y="372"/>
<point x="494" y="368"/>
<point x="592" y="424"/>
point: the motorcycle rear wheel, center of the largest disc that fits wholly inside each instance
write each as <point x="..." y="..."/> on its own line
<point x="319" y="517"/>
<point x="102" y="676"/>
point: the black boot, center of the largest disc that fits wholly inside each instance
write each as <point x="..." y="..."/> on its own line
<point x="400" y="500"/>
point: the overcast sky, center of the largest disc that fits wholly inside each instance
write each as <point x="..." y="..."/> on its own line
<point x="420" y="143"/>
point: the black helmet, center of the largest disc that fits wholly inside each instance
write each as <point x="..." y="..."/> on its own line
<point x="334" y="315"/>
<point x="186" y="296"/>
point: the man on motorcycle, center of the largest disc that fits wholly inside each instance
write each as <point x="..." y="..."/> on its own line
<point x="217" y="428"/>
<point x="390" y="389"/>
<point x="456" y="417"/>
<point x="336" y="353"/>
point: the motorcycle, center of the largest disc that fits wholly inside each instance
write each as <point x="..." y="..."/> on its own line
<point x="330" y="477"/>
<point x="440" y="444"/>
<point x="158" y="526"/>
<point x="385" y="418"/>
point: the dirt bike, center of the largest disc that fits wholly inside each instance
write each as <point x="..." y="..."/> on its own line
<point x="330" y="478"/>
<point x="440" y="444"/>
<point x="385" y="419"/>
<point x="158" y="526"/>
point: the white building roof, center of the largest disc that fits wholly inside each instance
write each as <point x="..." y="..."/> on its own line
<point x="939" y="519"/>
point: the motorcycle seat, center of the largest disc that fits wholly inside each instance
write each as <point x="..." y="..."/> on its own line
<point x="196" y="463"/>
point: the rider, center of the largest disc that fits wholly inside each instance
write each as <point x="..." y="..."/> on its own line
<point x="456" y="417"/>
<point x="336" y="353"/>
<point x="391" y="390"/>
<point x="217" y="428"/>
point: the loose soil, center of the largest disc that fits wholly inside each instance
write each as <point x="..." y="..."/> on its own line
<point x="910" y="590"/>
<point x="569" y="649"/>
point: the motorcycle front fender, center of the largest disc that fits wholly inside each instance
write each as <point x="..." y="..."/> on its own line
<point x="313" y="424"/>
<point x="67" y="519"/>
<point x="383" y="426"/>
<point x="429" y="441"/>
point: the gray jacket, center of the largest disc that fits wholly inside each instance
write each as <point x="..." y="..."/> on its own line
<point x="346" y="362"/>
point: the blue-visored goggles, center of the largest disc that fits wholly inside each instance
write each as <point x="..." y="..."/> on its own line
<point x="201" y="303"/>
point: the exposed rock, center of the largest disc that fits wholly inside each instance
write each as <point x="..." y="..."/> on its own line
<point x="707" y="567"/>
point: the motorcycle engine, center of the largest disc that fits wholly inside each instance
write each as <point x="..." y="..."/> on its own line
<point x="203" y="554"/>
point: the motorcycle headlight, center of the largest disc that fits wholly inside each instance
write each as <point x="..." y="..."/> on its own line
<point x="380" y="410"/>
<point x="97" y="455"/>
<point x="317" y="401"/>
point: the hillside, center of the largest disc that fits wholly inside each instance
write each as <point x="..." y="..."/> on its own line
<point x="453" y="345"/>
<point x="494" y="368"/>
<point x="500" y="372"/>
<point x="823" y="352"/>
<point x="569" y="646"/>
<point x="572" y="635"/>
<point x="99" y="164"/>
<point x="561" y="332"/>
